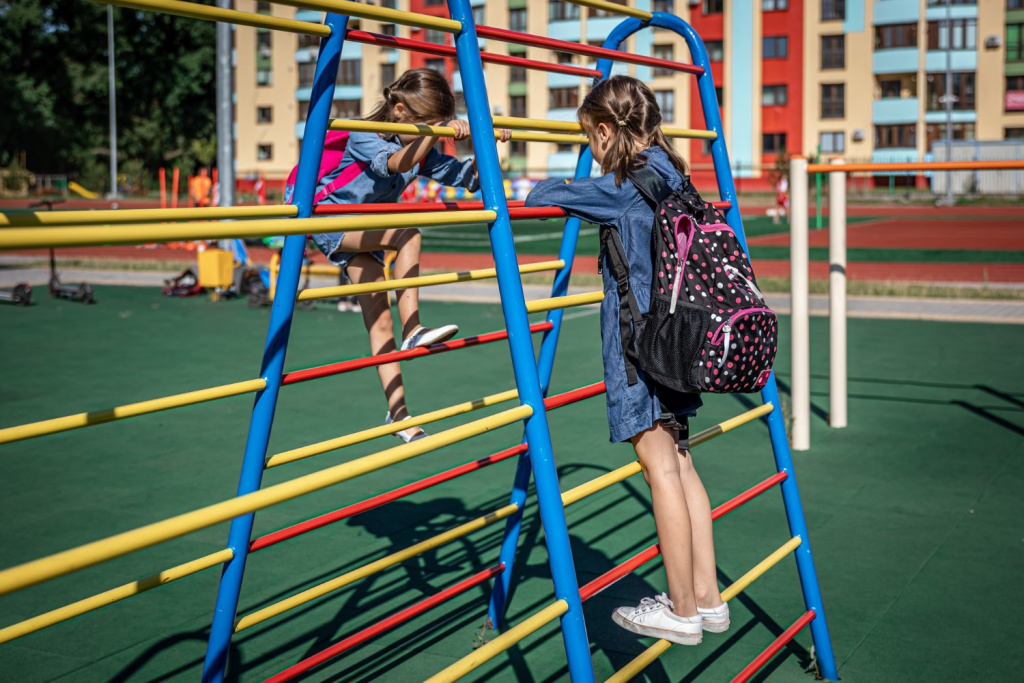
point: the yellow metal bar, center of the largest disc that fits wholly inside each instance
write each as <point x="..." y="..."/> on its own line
<point x="227" y="16"/>
<point x="23" y="628"/>
<point x="355" y="125"/>
<point x="538" y="305"/>
<point x="367" y="11"/>
<point x="519" y="123"/>
<point x="695" y="133"/>
<point x="638" y="664"/>
<point x="259" y="616"/>
<point x="117" y="216"/>
<point x="489" y="650"/>
<point x="30" y="238"/>
<point x="730" y="424"/>
<point x="614" y="8"/>
<point x="422" y="281"/>
<point x="383" y="430"/>
<point x="59" y="564"/>
<point x="69" y="422"/>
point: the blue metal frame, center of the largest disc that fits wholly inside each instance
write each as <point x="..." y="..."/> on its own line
<point x="276" y="345"/>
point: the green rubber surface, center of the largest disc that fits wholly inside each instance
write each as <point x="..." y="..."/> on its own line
<point x="914" y="510"/>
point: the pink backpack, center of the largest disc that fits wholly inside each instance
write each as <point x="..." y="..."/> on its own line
<point x="334" y="151"/>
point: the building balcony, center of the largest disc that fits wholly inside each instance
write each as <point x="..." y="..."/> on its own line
<point x="600" y="27"/>
<point x="341" y="92"/>
<point x="565" y="30"/>
<point x="563" y="80"/>
<point x="899" y="60"/>
<point x="956" y="116"/>
<point x="310" y="15"/>
<point x="895" y="12"/>
<point x="894" y="110"/>
<point x="960" y="60"/>
<point x="956" y="11"/>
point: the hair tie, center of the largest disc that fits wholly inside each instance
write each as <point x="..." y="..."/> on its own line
<point x="621" y="123"/>
<point x="387" y="93"/>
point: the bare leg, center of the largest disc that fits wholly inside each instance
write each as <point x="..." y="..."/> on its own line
<point x="407" y="243"/>
<point x="705" y="581"/>
<point x="377" y="318"/>
<point x="657" y="452"/>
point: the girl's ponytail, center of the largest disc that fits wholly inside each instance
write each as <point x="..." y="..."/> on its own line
<point x="424" y="93"/>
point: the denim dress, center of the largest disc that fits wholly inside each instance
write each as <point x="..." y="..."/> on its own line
<point x="631" y="409"/>
<point x="378" y="185"/>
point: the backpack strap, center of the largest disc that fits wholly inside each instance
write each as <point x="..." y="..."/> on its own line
<point x="651" y="185"/>
<point x="347" y="175"/>
<point x="629" y="310"/>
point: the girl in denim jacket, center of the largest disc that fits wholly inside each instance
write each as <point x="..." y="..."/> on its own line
<point x="622" y="119"/>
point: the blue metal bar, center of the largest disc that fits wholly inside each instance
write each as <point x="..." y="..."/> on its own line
<point x="524" y="366"/>
<point x="272" y="367"/>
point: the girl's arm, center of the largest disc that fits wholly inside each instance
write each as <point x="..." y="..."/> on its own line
<point x="451" y="172"/>
<point x="416" y="147"/>
<point x="596" y="200"/>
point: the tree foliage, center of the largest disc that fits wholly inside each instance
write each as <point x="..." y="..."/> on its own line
<point x="54" y="87"/>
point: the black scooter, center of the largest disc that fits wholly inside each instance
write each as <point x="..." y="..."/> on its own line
<point x="19" y="295"/>
<point x="81" y="292"/>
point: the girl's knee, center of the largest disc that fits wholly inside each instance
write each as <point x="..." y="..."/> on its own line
<point x="409" y="237"/>
<point x="657" y="466"/>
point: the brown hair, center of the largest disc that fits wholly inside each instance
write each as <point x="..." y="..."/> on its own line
<point x="628" y="106"/>
<point x="424" y="92"/>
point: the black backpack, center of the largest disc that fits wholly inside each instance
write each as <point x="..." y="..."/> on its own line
<point x="708" y="328"/>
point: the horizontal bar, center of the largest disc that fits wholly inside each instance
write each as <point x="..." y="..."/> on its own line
<point x="259" y="616"/>
<point x="553" y="303"/>
<point x="29" y="238"/>
<point x="550" y="403"/>
<point x="516" y="209"/>
<point x="59" y="564"/>
<point x="641" y="661"/>
<point x="96" y="417"/>
<point x="732" y="423"/>
<point x="885" y="167"/>
<point x="340" y="367"/>
<point x="789" y="634"/>
<point x="385" y="625"/>
<point x="367" y="11"/>
<point x="748" y="495"/>
<point x="376" y="501"/>
<point x="421" y="281"/>
<point x="227" y="16"/>
<point x="115" y="216"/>
<point x="492" y="648"/>
<point x="359" y="126"/>
<point x="518" y="123"/>
<point x="614" y="8"/>
<point x="449" y="51"/>
<point x="113" y="595"/>
<point x="322" y="447"/>
<point x="519" y="38"/>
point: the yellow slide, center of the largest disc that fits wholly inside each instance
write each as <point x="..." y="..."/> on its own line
<point x="79" y="190"/>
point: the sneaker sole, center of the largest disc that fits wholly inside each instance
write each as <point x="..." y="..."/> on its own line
<point x="671" y="636"/>
<point x="716" y="627"/>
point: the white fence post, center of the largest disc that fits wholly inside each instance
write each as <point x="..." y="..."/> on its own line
<point x="837" y="417"/>
<point x="800" y="389"/>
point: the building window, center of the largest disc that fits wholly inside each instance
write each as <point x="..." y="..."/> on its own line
<point x="705" y="146"/>
<point x="517" y="74"/>
<point x="720" y="95"/>
<point x="1013" y="133"/>
<point x="1014" y="93"/>
<point x="264" y="114"/>
<point x="430" y="3"/>
<point x="833" y="52"/>
<point x="832" y="142"/>
<point x="562" y="11"/>
<point x="263" y="8"/>
<point x="307" y="41"/>
<point x="774" y="5"/>
<point x="833" y="10"/>
<point x="432" y="35"/>
<point x="264" y="62"/>
<point x="963" y="91"/>
<point x="595" y="13"/>
<point x="889" y="137"/>
<point x="890" y="89"/>
<point x="303" y="111"/>
<point x="1014" y="42"/>
<point x="435" y="64"/>
<point x="517" y="19"/>
<point x="774" y="47"/>
<point x="665" y="6"/>
<point x="387" y="74"/>
<point x="895" y="35"/>
<point x="517" y="148"/>
<point x="388" y="29"/>
<point x="564" y="57"/>
<point x="264" y="152"/>
<point x="563" y="147"/>
<point x="307" y="70"/>
<point x="667" y="103"/>
<point x="346" y="109"/>
<point x="517" y="106"/>
<point x="965" y="34"/>
<point x="833" y="100"/>
<point x="350" y="72"/>
<point x="714" y="6"/>
<point x="774" y="95"/>
<point x="563" y="98"/>
<point x="773" y="143"/>
<point x="663" y="52"/>
<point x="716" y="50"/>
<point x="936" y="132"/>
<point x="1010" y="4"/>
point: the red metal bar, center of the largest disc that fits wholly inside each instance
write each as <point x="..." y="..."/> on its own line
<point x="372" y="361"/>
<point x="565" y="398"/>
<point x="385" y="625"/>
<point x="789" y="634"/>
<point x="643" y="557"/>
<point x="578" y="48"/>
<point x="516" y="209"/>
<point x="449" y="51"/>
<point x="386" y="497"/>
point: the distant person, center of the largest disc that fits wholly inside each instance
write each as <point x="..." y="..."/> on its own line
<point x="781" y="199"/>
<point x="200" y="189"/>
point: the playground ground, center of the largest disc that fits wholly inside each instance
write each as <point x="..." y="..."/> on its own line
<point x="914" y="510"/>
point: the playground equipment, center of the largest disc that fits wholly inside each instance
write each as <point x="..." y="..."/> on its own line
<point x="799" y="259"/>
<point x="532" y="374"/>
<point x="81" y="191"/>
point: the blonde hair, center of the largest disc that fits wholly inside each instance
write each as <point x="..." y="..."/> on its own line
<point x="425" y="94"/>
<point x="628" y="106"/>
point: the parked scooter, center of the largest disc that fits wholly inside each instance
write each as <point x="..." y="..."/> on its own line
<point x="19" y="295"/>
<point x="81" y="292"/>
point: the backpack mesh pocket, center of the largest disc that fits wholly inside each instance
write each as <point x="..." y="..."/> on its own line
<point x="670" y="344"/>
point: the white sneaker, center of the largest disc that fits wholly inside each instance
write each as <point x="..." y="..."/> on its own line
<point x="653" y="617"/>
<point x="715" y="619"/>
<point x="404" y="435"/>
<point x="344" y="306"/>
<point x="425" y="336"/>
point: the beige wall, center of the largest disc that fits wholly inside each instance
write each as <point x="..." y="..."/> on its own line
<point x="989" y="80"/>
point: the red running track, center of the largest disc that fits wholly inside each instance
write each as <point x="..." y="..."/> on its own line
<point x="991" y="235"/>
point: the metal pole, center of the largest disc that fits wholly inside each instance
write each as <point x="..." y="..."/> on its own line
<point x="800" y="388"/>
<point x="837" y="297"/>
<point x="225" y="112"/>
<point x="113" y="103"/>
<point x="950" y="199"/>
